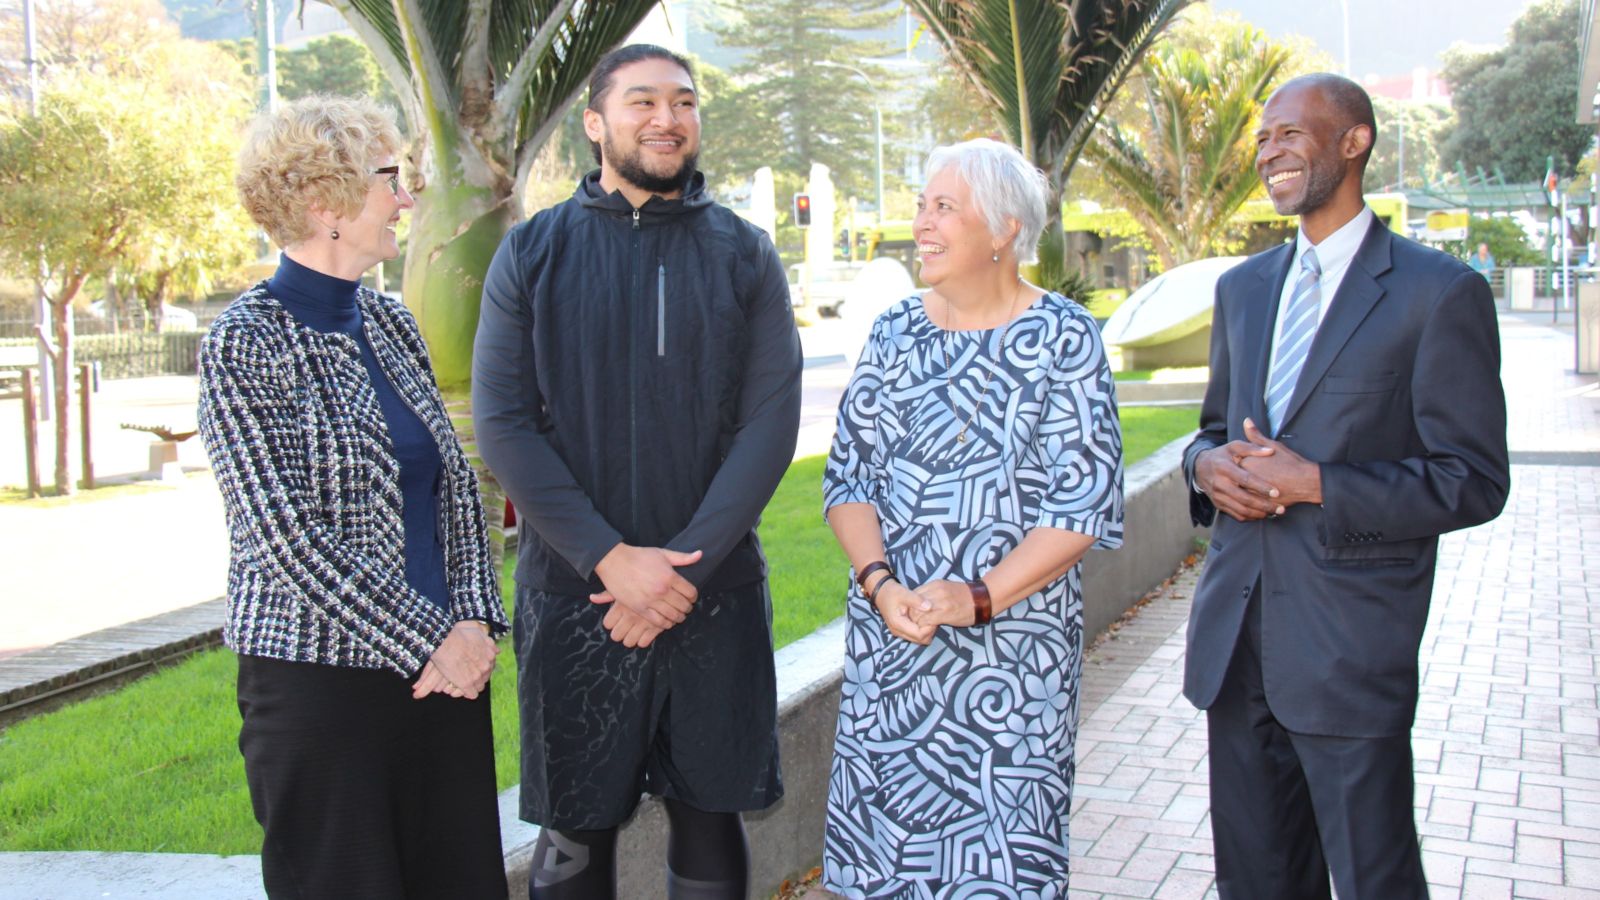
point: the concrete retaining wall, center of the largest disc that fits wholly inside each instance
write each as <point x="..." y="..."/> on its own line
<point x="786" y="840"/>
<point x="1135" y="393"/>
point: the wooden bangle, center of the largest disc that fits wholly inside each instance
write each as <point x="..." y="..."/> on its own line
<point x="867" y="572"/>
<point x="982" y="605"/>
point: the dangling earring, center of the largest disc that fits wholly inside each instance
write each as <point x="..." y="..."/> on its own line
<point x="996" y="256"/>
<point x="335" y="235"/>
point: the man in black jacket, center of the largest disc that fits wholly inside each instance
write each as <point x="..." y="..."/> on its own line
<point x="636" y="390"/>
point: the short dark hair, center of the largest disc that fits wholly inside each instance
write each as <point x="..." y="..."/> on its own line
<point x="606" y="69"/>
<point x="1349" y="101"/>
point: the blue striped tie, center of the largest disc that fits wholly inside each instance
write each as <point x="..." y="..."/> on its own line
<point x="1299" y="327"/>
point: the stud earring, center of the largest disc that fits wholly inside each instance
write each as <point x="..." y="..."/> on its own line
<point x="335" y="235"/>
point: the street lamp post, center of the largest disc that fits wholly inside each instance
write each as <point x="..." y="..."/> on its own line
<point x="877" y="112"/>
<point x="1344" y="6"/>
<point x="41" y="307"/>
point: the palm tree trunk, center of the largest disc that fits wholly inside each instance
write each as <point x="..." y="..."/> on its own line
<point x="455" y="231"/>
<point x="1052" y="265"/>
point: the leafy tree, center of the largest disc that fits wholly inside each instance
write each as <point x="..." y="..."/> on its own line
<point x="1508" y="243"/>
<point x="1424" y="125"/>
<point x="793" y="105"/>
<point x="482" y="85"/>
<point x="953" y="110"/>
<point x="99" y="173"/>
<point x="336" y="64"/>
<point x="1049" y="67"/>
<point x="108" y="37"/>
<point x="202" y="233"/>
<point x="1185" y="162"/>
<point x="1515" y="105"/>
<point x="130" y="152"/>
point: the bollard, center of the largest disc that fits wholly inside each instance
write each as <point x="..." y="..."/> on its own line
<point x="30" y="430"/>
<point x="85" y="409"/>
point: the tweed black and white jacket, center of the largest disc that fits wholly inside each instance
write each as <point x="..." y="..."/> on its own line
<point x="311" y="490"/>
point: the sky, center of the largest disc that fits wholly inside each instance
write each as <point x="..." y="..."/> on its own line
<point x="1387" y="37"/>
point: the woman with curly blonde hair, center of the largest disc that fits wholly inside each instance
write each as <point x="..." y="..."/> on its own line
<point x="361" y="599"/>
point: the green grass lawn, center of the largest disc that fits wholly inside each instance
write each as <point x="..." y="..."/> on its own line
<point x="155" y="766"/>
<point x="1146" y="429"/>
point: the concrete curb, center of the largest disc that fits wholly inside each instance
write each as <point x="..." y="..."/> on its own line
<point x="38" y="680"/>
<point x="1139" y="393"/>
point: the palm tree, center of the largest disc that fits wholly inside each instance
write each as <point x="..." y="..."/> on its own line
<point x="1049" y="67"/>
<point x="482" y="84"/>
<point x="1191" y="164"/>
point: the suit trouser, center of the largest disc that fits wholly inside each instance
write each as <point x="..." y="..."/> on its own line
<point x="1288" y="807"/>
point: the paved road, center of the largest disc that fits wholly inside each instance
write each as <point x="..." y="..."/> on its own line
<point x="108" y="559"/>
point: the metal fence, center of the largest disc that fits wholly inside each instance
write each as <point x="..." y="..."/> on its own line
<point x="134" y="322"/>
<point x="133" y="355"/>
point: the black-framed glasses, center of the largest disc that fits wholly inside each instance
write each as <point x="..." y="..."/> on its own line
<point x="394" y="177"/>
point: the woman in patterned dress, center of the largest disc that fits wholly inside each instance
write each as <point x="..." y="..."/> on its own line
<point x="978" y="457"/>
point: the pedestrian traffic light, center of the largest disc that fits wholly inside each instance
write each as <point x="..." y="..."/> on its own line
<point x="802" y="210"/>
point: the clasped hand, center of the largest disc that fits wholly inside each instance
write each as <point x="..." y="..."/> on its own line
<point x="461" y="665"/>
<point x="914" y="615"/>
<point x="646" y="593"/>
<point x="1257" y="477"/>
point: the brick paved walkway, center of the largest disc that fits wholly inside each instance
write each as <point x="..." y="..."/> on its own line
<point x="1507" y="738"/>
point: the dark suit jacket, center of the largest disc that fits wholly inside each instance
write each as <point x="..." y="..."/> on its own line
<point x="1400" y="402"/>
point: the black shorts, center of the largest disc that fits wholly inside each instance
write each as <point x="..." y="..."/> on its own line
<point x="692" y="717"/>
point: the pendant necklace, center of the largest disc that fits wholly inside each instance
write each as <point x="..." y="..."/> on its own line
<point x="949" y="312"/>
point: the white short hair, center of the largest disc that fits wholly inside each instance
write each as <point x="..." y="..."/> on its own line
<point x="1005" y="187"/>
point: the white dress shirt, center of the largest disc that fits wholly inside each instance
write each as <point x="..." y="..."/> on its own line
<point x="1334" y="254"/>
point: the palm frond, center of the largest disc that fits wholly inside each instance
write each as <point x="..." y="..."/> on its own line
<point x="489" y="80"/>
<point x="1074" y="54"/>
<point x="1184" y="175"/>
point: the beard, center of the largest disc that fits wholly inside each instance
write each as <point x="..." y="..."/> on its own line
<point x="630" y="166"/>
<point x="1324" y="174"/>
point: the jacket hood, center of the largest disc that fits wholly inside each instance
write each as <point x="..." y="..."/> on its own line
<point x="592" y="196"/>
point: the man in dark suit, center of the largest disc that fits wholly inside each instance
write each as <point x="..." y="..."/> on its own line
<point x="1355" y="413"/>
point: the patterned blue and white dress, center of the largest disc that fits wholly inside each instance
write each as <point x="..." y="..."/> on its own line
<point x="952" y="769"/>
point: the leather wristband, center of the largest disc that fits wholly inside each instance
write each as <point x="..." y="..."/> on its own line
<point x="867" y="571"/>
<point x="878" y="589"/>
<point x="982" y="605"/>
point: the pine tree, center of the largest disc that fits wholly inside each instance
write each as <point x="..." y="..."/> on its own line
<point x="794" y="112"/>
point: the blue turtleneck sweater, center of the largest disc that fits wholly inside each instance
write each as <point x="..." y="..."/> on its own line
<point x="328" y="304"/>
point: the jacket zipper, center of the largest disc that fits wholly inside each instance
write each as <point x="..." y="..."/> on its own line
<point x="661" y="308"/>
<point x="633" y="385"/>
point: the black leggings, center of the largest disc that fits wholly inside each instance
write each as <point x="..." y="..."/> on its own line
<point x="707" y="859"/>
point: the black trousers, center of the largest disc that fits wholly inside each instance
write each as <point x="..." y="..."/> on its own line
<point x="1286" y="808"/>
<point x="365" y="792"/>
